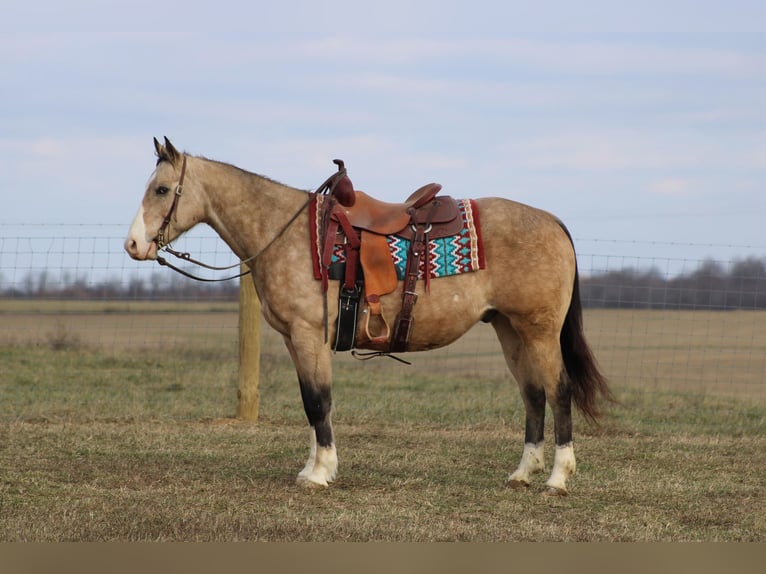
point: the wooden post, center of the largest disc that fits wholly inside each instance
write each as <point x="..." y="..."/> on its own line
<point x="249" y="349"/>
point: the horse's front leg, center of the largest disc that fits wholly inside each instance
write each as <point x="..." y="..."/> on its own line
<point x="322" y="465"/>
<point x="314" y="367"/>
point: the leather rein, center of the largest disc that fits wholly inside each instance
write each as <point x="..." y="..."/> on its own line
<point x="162" y="245"/>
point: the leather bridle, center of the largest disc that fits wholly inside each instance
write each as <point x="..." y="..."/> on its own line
<point x="160" y="239"/>
<point x="163" y="245"/>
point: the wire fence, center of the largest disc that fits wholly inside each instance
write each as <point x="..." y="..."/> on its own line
<point x="683" y="317"/>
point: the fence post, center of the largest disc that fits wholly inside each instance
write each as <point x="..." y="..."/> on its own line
<point x="249" y="349"/>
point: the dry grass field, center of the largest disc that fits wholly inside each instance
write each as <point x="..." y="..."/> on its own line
<point x="116" y="425"/>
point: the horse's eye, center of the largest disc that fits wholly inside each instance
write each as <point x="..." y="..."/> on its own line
<point x="162" y="190"/>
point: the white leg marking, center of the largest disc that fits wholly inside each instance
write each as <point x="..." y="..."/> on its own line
<point x="564" y="466"/>
<point x="309" y="468"/>
<point x="321" y="467"/>
<point x="532" y="461"/>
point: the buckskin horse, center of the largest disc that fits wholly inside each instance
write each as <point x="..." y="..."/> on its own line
<point x="528" y="290"/>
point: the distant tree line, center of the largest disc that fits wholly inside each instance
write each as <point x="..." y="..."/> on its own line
<point x="739" y="285"/>
<point x="710" y="286"/>
<point x="159" y="286"/>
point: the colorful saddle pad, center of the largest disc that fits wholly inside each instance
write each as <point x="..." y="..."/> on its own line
<point x="461" y="253"/>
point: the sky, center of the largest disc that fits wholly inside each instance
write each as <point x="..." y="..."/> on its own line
<point x="638" y="124"/>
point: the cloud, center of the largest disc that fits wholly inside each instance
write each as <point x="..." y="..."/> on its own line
<point x="70" y="170"/>
<point x="592" y="150"/>
<point x="594" y="57"/>
<point x="623" y="57"/>
<point x="673" y="186"/>
<point x="602" y="149"/>
<point x="756" y="154"/>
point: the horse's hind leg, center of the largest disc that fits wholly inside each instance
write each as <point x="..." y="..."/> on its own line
<point x="534" y="358"/>
<point x="532" y="460"/>
<point x="312" y="361"/>
<point x="564" y="464"/>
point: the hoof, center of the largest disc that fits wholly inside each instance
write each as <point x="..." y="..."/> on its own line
<point x="304" y="482"/>
<point x="555" y="491"/>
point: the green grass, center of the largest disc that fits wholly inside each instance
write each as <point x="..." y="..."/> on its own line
<point x="103" y="440"/>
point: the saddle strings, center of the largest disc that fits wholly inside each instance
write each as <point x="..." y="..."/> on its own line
<point x="366" y="356"/>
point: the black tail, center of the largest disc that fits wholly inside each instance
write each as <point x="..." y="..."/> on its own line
<point x="588" y="382"/>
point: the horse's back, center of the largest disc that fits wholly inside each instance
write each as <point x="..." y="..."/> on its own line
<point x="510" y="224"/>
<point x="530" y="259"/>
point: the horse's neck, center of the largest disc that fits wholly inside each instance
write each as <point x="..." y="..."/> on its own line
<point x="245" y="209"/>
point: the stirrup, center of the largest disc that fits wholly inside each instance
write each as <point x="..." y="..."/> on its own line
<point x="377" y="338"/>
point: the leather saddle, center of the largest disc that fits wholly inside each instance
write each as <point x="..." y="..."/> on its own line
<point x="382" y="218"/>
<point x="362" y="223"/>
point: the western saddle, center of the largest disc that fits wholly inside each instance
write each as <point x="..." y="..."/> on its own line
<point x="361" y="224"/>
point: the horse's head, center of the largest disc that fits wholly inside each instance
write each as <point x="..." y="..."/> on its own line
<point x="163" y="214"/>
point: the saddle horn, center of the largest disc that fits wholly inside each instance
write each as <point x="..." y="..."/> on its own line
<point x="342" y="188"/>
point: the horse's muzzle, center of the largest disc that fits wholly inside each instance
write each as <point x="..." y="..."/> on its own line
<point x="141" y="250"/>
<point x="138" y="244"/>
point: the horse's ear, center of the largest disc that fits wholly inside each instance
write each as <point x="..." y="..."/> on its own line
<point x="173" y="153"/>
<point x="158" y="149"/>
<point x="166" y="152"/>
